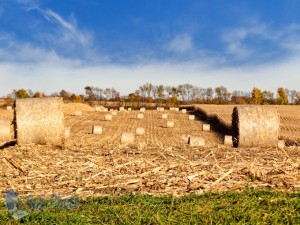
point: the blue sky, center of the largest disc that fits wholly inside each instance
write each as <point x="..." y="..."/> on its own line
<point x="49" y="45"/>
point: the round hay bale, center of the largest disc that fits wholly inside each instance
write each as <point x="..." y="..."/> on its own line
<point x="114" y="113"/>
<point x="183" y="111"/>
<point x="78" y="113"/>
<point x="255" y="126"/>
<point x="185" y="138"/>
<point x="140" y="131"/>
<point x="105" y="110"/>
<point x="121" y="108"/>
<point x="164" y="116"/>
<point x="129" y="109"/>
<point x="281" y="144"/>
<point x="67" y="132"/>
<point x="228" y="140"/>
<point x="170" y="124"/>
<point x="40" y="121"/>
<point x="9" y="107"/>
<point x="127" y="138"/>
<point x="108" y="117"/>
<point x="206" y="127"/>
<point x="142" y="109"/>
<point x="171" y="108"/>
<point x="97" y="130"/>
<point x="191" y="117"/>
<point x="5" y="135"/>
<point x="140" y="116"/>
<point x="176" y="109"/>
<point x="196" y="141"/>
<point x="97" y="108"/>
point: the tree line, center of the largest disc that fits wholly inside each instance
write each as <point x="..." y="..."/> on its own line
<point x="169" y="95"/>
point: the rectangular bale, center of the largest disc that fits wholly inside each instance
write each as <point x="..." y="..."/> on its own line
<point x="40" y="121"/>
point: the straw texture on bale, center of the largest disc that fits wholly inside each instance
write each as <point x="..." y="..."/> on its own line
<point x="5" y="135"/>
<point x="196" y="141"/>
<point x="97" y="129"/>
<point x="108" y="117"/>
<point x="228" y="140"/>
<point x="140" y="115"/>
<point x="191" y="117"/>
<point x="170" y="124"/>
<point x="140" y="131"/>
<point x="164" y="116"/>
<point x="206" y="127"/>
<point x="127" y="138"/>
<point x="40" y="121"/>
<point x="67" y="132"/>
<point x="255" y="126"/>
<point x="78" y="113"/>
<point x="183" y="111"/>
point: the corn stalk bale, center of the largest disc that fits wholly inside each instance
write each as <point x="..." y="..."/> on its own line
<point x="9" y="107"/>
<point x="228" y="140"/>
<point x="108" y="117"/>
<point x="121" y="108"/>
<point x="170" y="124"/>
<point x="191" y="117"/>
<point x="114" y="113"/>
<point x="129" y="109"/>
<point x="196" y="141"/>
<point x="140" y="115"/>
<point x="5" y="135"/>
<point x="97" y="129"/>
<point x="78" y="113"/>
<point x="206" y="127"/>
<point x="67" y="132"/>
<point x="127" y="138"/>
<point x="255" y="126"/>
<point x="40" y="121"/>
<point x="140" y="131"/>
<point x="183" y="111"/>
<point x="142" y="109"/>
<point x="164" y="116"/>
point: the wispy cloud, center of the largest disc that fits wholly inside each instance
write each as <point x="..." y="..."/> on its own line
<point x="180" y="44"/>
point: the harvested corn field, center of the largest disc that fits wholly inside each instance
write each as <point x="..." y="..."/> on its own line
<point x="158" y="162"/>
<point x="289" y="119"/>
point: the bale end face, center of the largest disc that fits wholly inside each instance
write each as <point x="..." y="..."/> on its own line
<point x="255" y="126"/>
<point x="129" y="109"/>
<point x="185" y="138"/>
<point x="191" y="117"/>
<point x="127" y="138"/>
<point x="142" y="109"/>
<point x="114" y="113"/>
<point x="121" y="109"/>
<point x="183" y="111"/>
<point x="170" y="124"/>
<point x="164" y="116"/>
<point x="97" y="129"/>
<point x="108" y="117"/>
<point x="206" y="127"/>
<point x="228" y="140"/>
<point x="140" y="116"/>
<point x="40" y="121"/>
<point x="196" y="141"/>
<point x="140" y="131"/>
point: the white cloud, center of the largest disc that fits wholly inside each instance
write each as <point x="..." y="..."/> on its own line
<point x="180" y="44"/>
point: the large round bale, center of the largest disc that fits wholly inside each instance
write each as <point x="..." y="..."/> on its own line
<point x="140" y="131"/>
<point x="185" y="138"/>
<point x="9" y="107"/>
<point x="127" y="138"/>
<point x="255" y="126"/>
<point x="140" y="116"/>
<point x="191" y="117"/>
<point x="170" y="124"/>
<point x="97" y="129"/>
<point x="183" y="111"/>
<point x="108" y="117"/>
<point x="228" y="140"/>
<point x="121" y="108"/>
<point x="206" y="127"/>
<point x="164" y="116"/>
<point x="40" y="121"/>
<point x="114" y="113"/>
<point x="176" y="109"/>
<point x="196" y="141"/>
<point x="5" y="135"/>
<point x="97" y="108"/>
<point x="142" y="109"/>
<point x="129" y="109"/>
